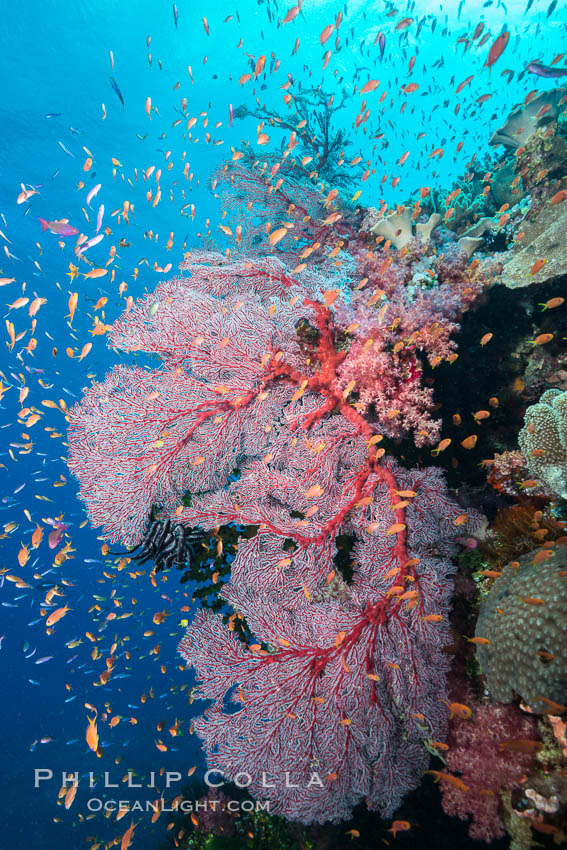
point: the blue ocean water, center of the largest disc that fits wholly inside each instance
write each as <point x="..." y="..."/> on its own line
<point x="59" y="109"/>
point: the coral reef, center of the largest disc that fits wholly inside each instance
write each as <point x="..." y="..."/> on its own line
<point x="529" y="117"/>
<point x="523" y="618"/>
<point x="397" y="229"/>
<point x="543" y="239"/>
<point x="482" y="751"/>
<point x="541" y="162"/>
<point x="543" y="441"/>
<point x="365" y="662"/>
<point x="251" y="380"/>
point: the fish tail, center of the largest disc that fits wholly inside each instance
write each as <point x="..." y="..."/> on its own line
<point x="44" y="225"/>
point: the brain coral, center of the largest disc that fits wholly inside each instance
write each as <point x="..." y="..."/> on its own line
<point x="525" y="618"/>
<point x="545" y="428"/>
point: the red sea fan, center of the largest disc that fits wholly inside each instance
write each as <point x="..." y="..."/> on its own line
<point x="141" y="438"/>
<point x="334" y="702"/>
<point x="259" y="193"/>
<point x="348" y="675"/>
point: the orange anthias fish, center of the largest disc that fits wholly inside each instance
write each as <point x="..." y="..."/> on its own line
<point x="448" y="777"/>
<point x="441" y="446"/>
<point x="127" y="837"/>
<point x="497" y="49"/>
<point x="552" y="303"/>
<point x="542" y="339"/>
<point x="92" y="734"/>
<point x="537" y="266"/>
<point x="399" y="826"/>
<point x="56" y="616"/>
<point x="458" y="709"/>
<point x="93" y="273"/>
<point x="521" y="745"/>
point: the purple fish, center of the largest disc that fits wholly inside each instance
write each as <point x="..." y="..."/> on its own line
<point x="90" y="243"/>
<point x="45" y="658"/>
<point x="545" y="70"/>
<point x="60" y="228"/>
<point x="94" y="191"/>
<point x="56" y="535"/>
<point x="382" y="44"/>
<point x="99" y="217"/>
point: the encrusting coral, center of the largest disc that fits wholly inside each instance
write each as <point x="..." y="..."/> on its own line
<point x="543" y="440"/>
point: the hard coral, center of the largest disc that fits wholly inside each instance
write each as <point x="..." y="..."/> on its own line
<point x="526" y="119"/>
<point x="543" y="238"/>
<point x="543" y="440"/>
<point x="523" y="617"/>
<point x="397" y="228"/>
<point x="542" y="161"/>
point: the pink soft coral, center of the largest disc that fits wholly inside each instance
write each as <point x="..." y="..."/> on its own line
<point x="485" y="769"/>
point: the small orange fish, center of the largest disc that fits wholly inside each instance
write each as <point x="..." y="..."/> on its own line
<point x="533" y="600"/>
<point x="18" y="303"/>
<point x="458" y="709"/>
<point x="547" y="656"/>
<point x="542" y="555"/>
<point x="127" y="837"/>
<point x="92" y="734"/>
<point x="23" y="556"/>
<point x="554" y="707"/>
<point x="479" y="641"/>
<point x="498" y="47"/>
<point x="537" y="266"/>
<point x="56" y="615"/>
<point x="326" y="34"/>
<point x="441" y="446"/>
<point x="403" y="24"/>
<point x="94" y="273"/>
<point x="371" y="85"/>
<point x="552" y="303"/>
<point x="469" y="442"/>
<point x="73" y="300"/>
<point x="486" y="338"/>
<point x="277" y="235"/>
<point x="37" y="536"/>
<point x="448" y="777"/>
<point x="559" y="197"/>
<point x="70" y="796"/>
<point x="521" y="745"/>
<point x="399" y="826"/>
<point x="542" y="339"/>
